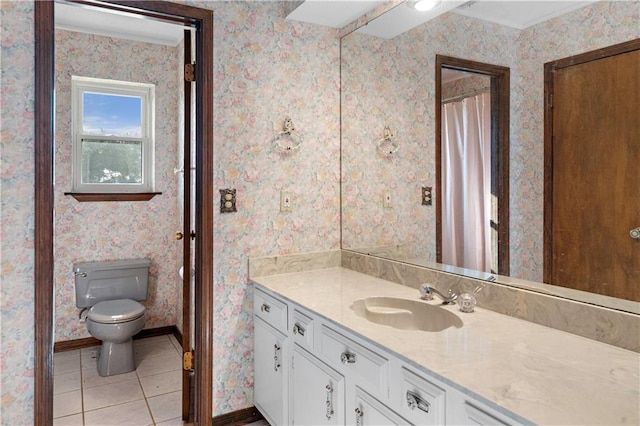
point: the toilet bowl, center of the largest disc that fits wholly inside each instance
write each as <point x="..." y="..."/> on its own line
<point x="109" y="293"/>
<point x="115" y="322"/>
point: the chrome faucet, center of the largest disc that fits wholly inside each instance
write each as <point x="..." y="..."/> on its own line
<point x="426" y="293"/>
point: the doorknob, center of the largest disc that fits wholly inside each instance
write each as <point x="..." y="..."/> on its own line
<point x="179" y="235"/>
<point x="635" y="233"/>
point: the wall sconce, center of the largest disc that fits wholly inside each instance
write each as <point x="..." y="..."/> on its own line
<point x="288" y="139"/>
<point x="423" y="5"/>
<point x="388" y="145"/>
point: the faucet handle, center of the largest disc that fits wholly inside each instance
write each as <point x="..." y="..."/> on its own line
<point x="425" y="292"/>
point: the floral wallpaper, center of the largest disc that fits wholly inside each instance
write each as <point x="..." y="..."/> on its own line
<point x="267" y="68"/>
<point x="117" y="230"/>
<point x="405" y="97"/>
<point x="17" y="213"/>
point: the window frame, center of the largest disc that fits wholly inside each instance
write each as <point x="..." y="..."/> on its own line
<point x="145" y="91"/>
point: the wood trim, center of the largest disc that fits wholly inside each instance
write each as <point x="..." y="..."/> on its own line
<point x="86" y="197"/>
<point x="202" y="20"/>
<point x="500" y="114"/>
<point x="549" y="70"/>
<point x="239" y="417"/>
<point x="87" y="342"/>
<point x="43" y="244"/>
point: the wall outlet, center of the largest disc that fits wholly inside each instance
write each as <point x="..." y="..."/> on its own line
<point x="286" y="204"/>
<point x="387" y="202"/>
<point x="427" y="197"/>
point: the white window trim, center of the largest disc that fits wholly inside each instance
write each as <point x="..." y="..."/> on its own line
<point x="80" y="85"/>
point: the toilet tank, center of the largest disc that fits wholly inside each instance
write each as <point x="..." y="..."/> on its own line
<point x="109" y="280"/>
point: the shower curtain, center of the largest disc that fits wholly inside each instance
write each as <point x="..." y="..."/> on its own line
<point x="466" y="183"/>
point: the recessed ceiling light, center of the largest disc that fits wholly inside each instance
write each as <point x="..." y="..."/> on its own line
<point x="423" y="5"/>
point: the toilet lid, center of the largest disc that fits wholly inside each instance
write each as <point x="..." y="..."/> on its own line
<point x="114" y="311"/>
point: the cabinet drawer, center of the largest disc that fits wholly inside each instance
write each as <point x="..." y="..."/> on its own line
<point x="368" y="367"/>
<point x="475" y="414"/>
<point x="271" y="310"/>
<point x="302" y="329"/>
<point x="423" y="402"/>
<point x="369" y="411"/>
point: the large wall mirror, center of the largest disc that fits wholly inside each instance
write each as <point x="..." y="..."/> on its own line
<point x="389" y="143"/>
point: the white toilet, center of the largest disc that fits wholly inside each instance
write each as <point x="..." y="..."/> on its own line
<point x="109" y="293"/>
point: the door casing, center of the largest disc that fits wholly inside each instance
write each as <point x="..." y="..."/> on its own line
<point x="44" y="26"/>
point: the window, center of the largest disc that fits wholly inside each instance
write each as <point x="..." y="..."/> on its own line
<point x="113" y="136"/>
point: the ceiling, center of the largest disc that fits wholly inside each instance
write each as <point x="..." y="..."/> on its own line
<point x="513" y="13"/>
<point x="79" y="18"/>
<point x="517" y="14"/>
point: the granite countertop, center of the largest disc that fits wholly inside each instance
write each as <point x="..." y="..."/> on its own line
<point x="542" y="374"/>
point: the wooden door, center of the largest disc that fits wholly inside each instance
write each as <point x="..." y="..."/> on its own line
<point x="594" y="188"/>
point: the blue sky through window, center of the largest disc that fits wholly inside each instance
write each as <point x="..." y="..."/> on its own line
<point x="111" y="115"/>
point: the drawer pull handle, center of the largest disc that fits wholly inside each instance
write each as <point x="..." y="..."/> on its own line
<point x="359" y="416"/>
<point x="348" y="358"/>
<point x="298" y="329"/>
<point x="265" y="308"/>
<point x="276" y="357"/>
<point x="329" y="389"/>
<point x="416" y="401"/>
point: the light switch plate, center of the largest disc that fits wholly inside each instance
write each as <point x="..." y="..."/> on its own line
<point x="286" y="203"/>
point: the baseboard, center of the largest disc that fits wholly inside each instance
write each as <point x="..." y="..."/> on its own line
<point x="237" y="418"/>
<point x="70" y="345"/>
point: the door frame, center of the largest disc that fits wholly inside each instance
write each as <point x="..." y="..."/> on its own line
<point x="549" y="69"/>
<point x="44" y="28"/>
<point x="500" y="109"/>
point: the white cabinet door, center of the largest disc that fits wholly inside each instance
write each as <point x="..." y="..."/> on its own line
<point x="317" y="391"/>
<point x="270" y="373"/>
<point x="369" y="411"/>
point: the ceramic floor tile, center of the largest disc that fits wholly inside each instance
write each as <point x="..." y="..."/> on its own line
<point x="65" y="404"/>
<point x="176" y="343"/>
<point x="67" y="354"/>
<point x="165" y="407"/>
<point x="153" y="349"/>
<point x="161" y="364"/>
<point x="89" y="356"/>
<point x="112" y="394"/>
<point x="91" y="378"/>
<point x="258" y="423"/>
<point x="134" y="413"/>
<point x="75" y="420"/>
<point x="173" y="422"/>
<point x="66" y="382"/>
<point x="66" y="364"/>
<point x="159" y="384"/>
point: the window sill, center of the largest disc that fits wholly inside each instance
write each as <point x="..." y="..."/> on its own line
<point x="85" y="197"/>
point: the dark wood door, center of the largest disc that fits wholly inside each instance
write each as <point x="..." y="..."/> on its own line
<point x="595" y="183"/>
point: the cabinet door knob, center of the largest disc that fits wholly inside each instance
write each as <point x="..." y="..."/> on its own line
<point x="298" y="329"/>
<point x="416" y="401"/>
<point x="359" y="416"/>
<point x="265" y="308"/>
<point x="330" y="411"/>
<point x="348" y="358"/>
<point x="276" y="357"/>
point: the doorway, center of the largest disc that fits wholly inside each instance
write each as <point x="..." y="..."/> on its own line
<point x="592" y="152"/>
<point x="498" y="205"/>
<point x="201" y="21"/>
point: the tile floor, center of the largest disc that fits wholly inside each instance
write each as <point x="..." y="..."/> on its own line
<point x="151" y="395"/>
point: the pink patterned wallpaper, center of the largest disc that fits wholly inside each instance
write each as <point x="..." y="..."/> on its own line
<point x="117" y="230"/>
<point x="266" y="68"/>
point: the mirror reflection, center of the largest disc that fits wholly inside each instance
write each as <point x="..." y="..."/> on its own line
<point x="391" y="82"/>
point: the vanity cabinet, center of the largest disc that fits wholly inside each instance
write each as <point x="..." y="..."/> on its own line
<point x="317" y="391"/>
<point x="270" y="358"/>
<point x="312" y="371"/>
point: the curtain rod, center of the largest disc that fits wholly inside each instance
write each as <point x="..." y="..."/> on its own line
<point x="465" y="95"/>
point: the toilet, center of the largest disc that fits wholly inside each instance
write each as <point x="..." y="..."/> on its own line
<point x="109" y="294"/>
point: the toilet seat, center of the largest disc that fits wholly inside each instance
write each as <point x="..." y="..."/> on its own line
<point x="115" y="311"/>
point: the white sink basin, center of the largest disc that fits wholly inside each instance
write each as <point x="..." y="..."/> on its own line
<point x="405" y="314"/>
